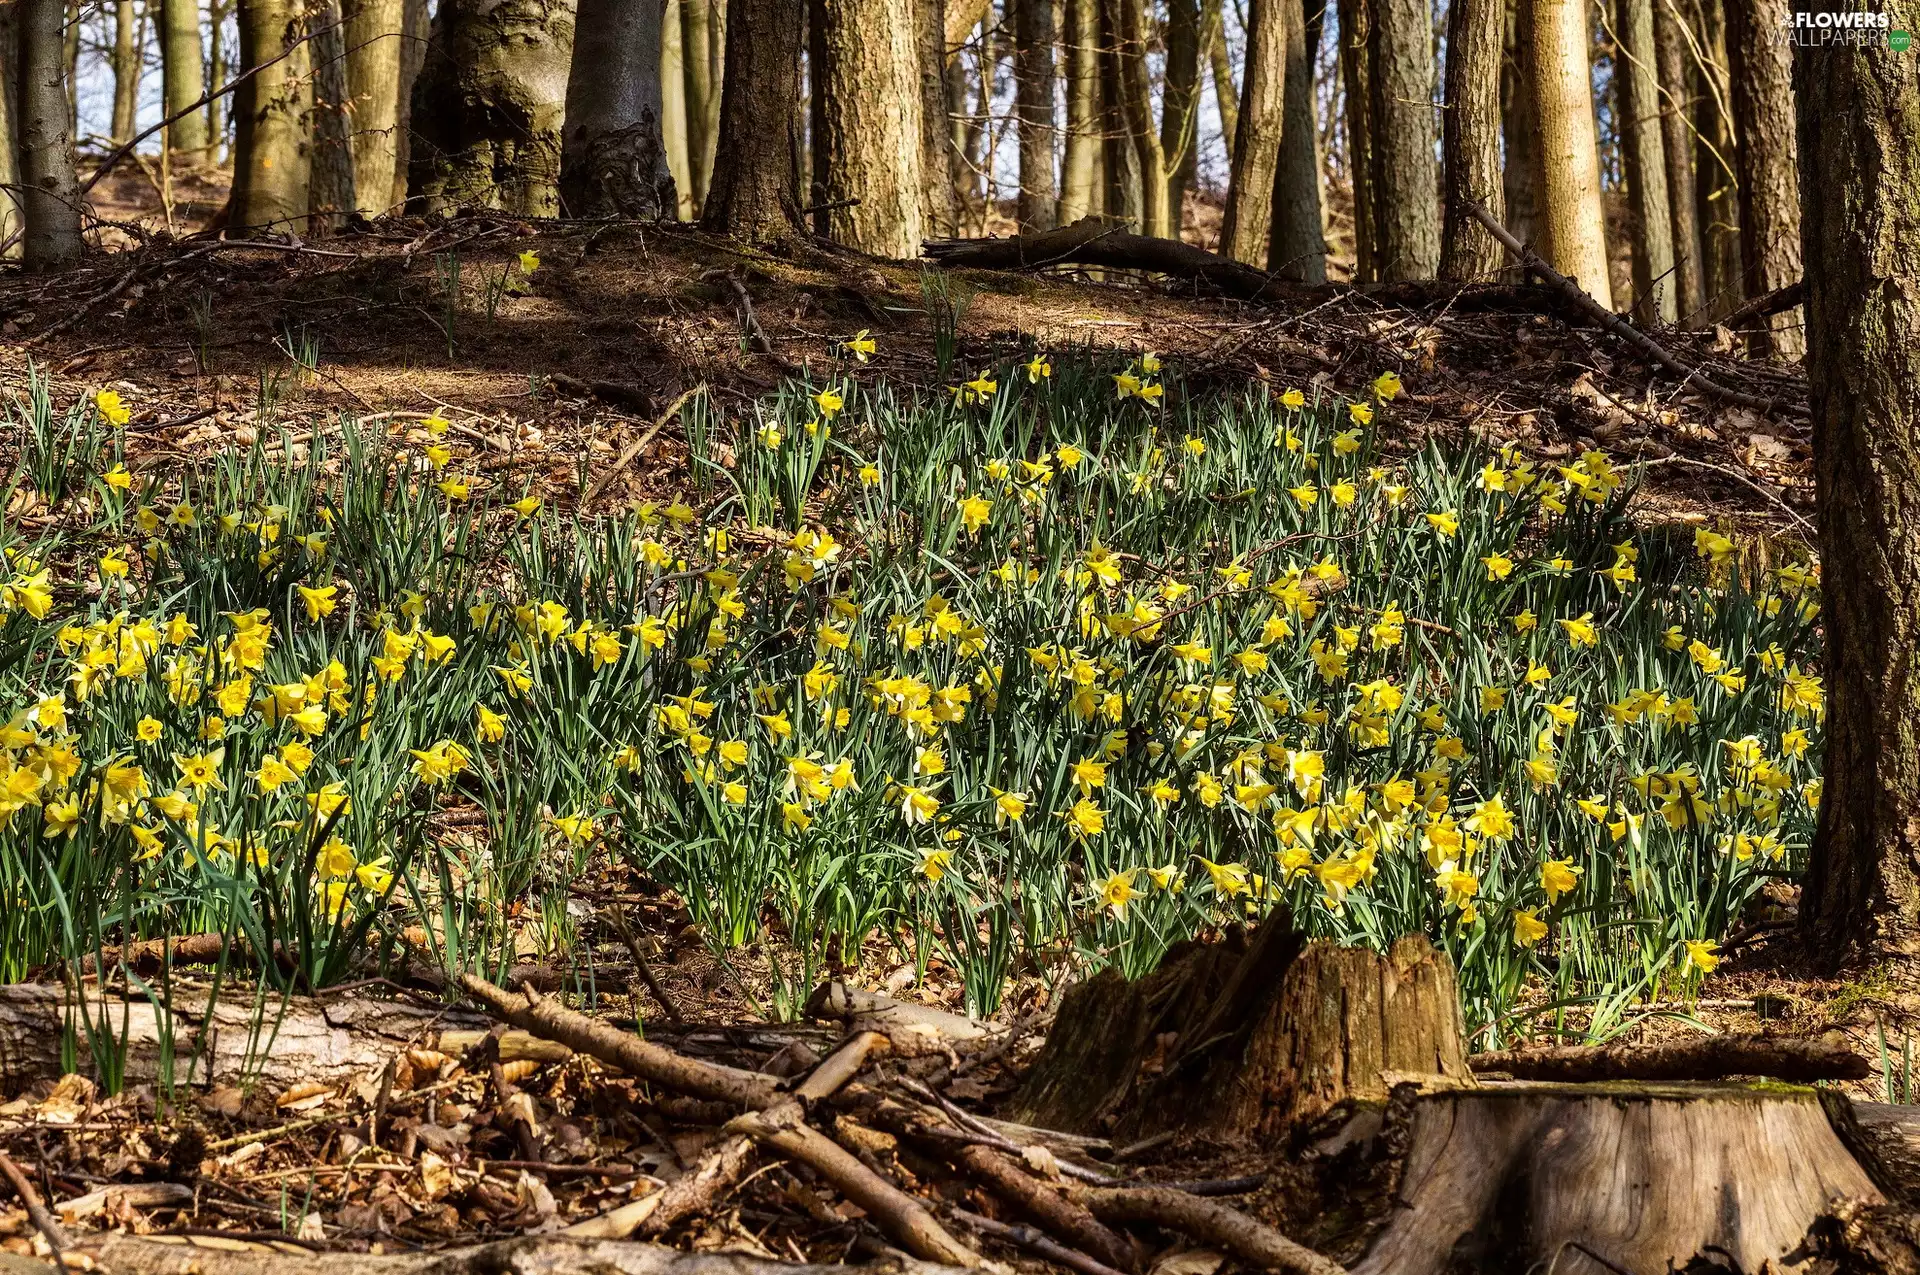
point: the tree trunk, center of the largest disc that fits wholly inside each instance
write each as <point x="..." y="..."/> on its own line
<point x="219" y="110"/>
<point x="418" y="27"/>
<point x="673" y="108"/>
<point x="270" y="154"/>
<point x="1521" y="138"/>
<point x="1860" y="208"/>
<point x="1220" y="67"/>
<point x="1406" y="189"/>
<point x="1643" y="155"/>
<point x="1033" y="42"/>
<point x="1297" y="243"/>
<point x="1762" y="73"/>
<point x="1677" y="139"/>
<point x="1136" y="112"/>
<point x="613" y="157"/>
<point x="1715" y="191"/>
<point x="703" y="94"/>
<point x="375" y="39"/>
<point x="1119" y="162"/>
<point x="1272" y="34"/>
<point x="1080" y="193"/>
<point x="11" y="223"/>
<point x="1572" y="229"/>
<point x="330" y="192"/>
<point x="938" y="211"/>
<point x="1356" y="37"/>
<point x="752" y="196"/>
<point x="126" y="70"/>
<point x="1180" y="108"/>
<point x="489" y="103"/>
<point x="50" y="195"/>
<point x="868" y="86"/>
<point x="183" y="79"/>
<point x="1476" y="36"/>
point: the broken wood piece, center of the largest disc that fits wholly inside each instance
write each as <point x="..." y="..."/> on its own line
<point x="618" y="1223"/>
<point x="635" y="396"/>
<point x="1768" y="304"/>
<point x="43" y="1221"/>
<point x="599" y="485"/>
<point x="139" y="1195"/>
<point x="841" y="1066"/>
<point x="1216" y="1225"/>
<point x="515" y="1046"/>
<point x="1037" y="1242"/>
<point x="1063" y="1217"/>
<point x="913" y="1029"/>
<point x="1796" y="1058"/>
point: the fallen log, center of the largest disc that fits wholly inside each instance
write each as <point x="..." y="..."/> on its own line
<point x="1828" y="1057"/>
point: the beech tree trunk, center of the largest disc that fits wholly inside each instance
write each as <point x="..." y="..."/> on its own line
<point x="1572" y="229"/>
<point x="1080" y="183"/>
<point x="1119" y="161"/>
<point x="673" y="108"/>
<point x="376" y="44"/>
<point x="1136" y="113"/>
<point x="50" y="196"/>
<point x="1220" y="68"/>
<point x="938" y="211"/>
<point x="330" y="192"/>
<point x="1677" y="141"/>
<point x="1762" y="73"/>
<point x="1860" y="207"/>
<point x="754" y="176"/>
<point x="868" y="88"/>
<point x="1033" y="80"/>
<point x="1476" y="37"/>
<point x="1406" y="193"/>
<point x="270" y="169"/>
<point x="1180" y="108"/>
<point x="126" y="70"/>
<point x="1272" y="25"/>
<point x="418" y="28"/>
<point x="1356" y="36"/>
<point x="182" y="77"/>
<point x="1643" y="153"/>
<point x="613" y="155"/>
<point x="1715" y="191"/>
<point x="1297" y="243"/>
<point x="488" y="106"/>
<point x="219" y="64"/>
<point x="10" y="218"/>
<point x="1522" y="150"/>
<point x="702" y="92"/>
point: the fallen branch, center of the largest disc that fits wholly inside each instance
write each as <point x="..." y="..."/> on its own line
<point x="36" y="1209"/>
<point x="615" y="392"/>
<point x="1062" y="1216"/>
<point x="594" y="489"/>
<point x="1217" y="1225"/>
<point x="1769" y="304"/>
<point x="1037" y="1242"/>
<point x="1827" y="1057"/>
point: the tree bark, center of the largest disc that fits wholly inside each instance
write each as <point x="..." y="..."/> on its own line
<point x="488" y="106"/>
<point x="1643" y="154"/>
<point x="702" y="91"/>
<point x="11" y="222"/>
<point x="1476" y="35"/>
<point x="1762" y="73"/>
<point x="1356" y="38"/>
<point x="1572" y="229"/>
<point x="1860" y="208"/>
<point x="330" y="192"/>
<point x="937" y="208"/>
<point x="1296" y="241"/>
<point x="270" y="174"/>
<point x="1406" y="188"/>
<point x="50" y="196"/>
<point x="1522" y="141"/>
<point x="673" y="108"/>
<point x="417" y="27"/>
<point x="1220" y="67"/>
<point x="1033" y="78"/>
<point x="1080" y="187"/>
<point x="613" y="156"/>
<point x="1119" y="161"/>
<point x="1136" y="113"/>
<point x="375" y="39"/>
<point x="183" y="79"/>
<point x="1180" y="108"/>
<point x="126" y="70"/>
<point x="752" y="196"/>
<point x="869" y="93"/>
<point x="1677" y="141"/>
<point x="1715" y="191"/>
<point x="1272" y="27"/>
<point x="219" y="111"/>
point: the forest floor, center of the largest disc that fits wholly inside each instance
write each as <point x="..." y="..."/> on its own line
<point x="211" y="343"/>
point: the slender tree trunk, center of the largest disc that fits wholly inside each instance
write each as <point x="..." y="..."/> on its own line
<point x="1272" y="35"/>
<point x="1762" y="73"/>
<point x="1859" y="180"/>
<point x="330" y="191"/>
<point x="1220" y="65"/>
<point x="418" y="28"/>
<point x="1522" y="140"/>
<point x="219" y="110"/>
<point x="126" y="69"/>
<point x="937" y="210"/>
<point x="1136" y="112"/>
<point x="673" y="107"/>
<point x="375" y="39"/>
<point x="1118" y="156"/>
<point x="1715" y="190"/>
<point x="183" y="79"/>
<point x="613" y="158"/>
<point x="868" y="87"/>
<point x="1676" y="137"/>
<point x="488" y="105"/>
<point x="1033" y="42"/>
<point x="1356" y="36"/>
<point x="703" y="94"/>
<point x="50" y="194"/>
<point x="1573" y="226"/>
<point x="963" y="127"/>
<point x="70" y="61"/>
<point x="1476" y="38"/>
<point x="1406" y="187"/>
<point x="10" y="218"/>
<point x="752" y="196"/>
<point x="1180" y="108"/>
<point x="813" y="176"/>
<point x="1297" y="242"/>
<point x="1643" y="153"/>
<point x="1080" y="193"/>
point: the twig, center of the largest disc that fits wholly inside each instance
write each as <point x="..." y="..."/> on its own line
<point x="651" y="979"/>
<point x="36" y="1210"/>
<point x="1035" y="1242"/>
<point x="1738" y="477"/>
<point x="749" y="322"/>
<point x="594" y="489"/>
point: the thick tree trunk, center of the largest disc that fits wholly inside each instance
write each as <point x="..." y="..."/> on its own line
<point x="703" y="93"/>
<point x="1406" y="191"/>
<point x="1297" y="242"/>
<point x="1033" y="41"/>
<point x="869" y="93"/>
<point x="1677" y="141"/>
<point x="50" y="196"/>
<point x="1080" y="192"/>
<point x="489" y="103"/>
<point x="1522" y="140"/>
<point x="1762" y="73"/>
<point x="1272" y="26"/>
<point x="1716" y="195"/>
<point x="752" y="196"/>
<point x="1180" y="108"/>
<point x="330" y="192"/>
<point x="10" y="219"/>
<point x="1572" y="230"/>
<point x="1636" y="77"/>
<point x="613" y="157"/>
<point x="126" y="70"/>
<point x="937" y="208"/>
<point x="1860" y="208"/>
<point x="376" y="43"/>
<point x="183" y="79"/>
<point x="1356" y="37"/>
<point x="270" y="154"/>
<point x="1476" y="36"/>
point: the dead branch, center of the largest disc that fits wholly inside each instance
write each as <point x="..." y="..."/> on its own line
<point x="1214" y="1224"/>
<point x="618" y="393"/>
<point x="36" y="1208"/>
<point x="1768" y="304"/>
<point x="1060" y="1215"/>
<point x="1827" y="1057"/>
<point x="614" y="919"/>
<point x="1037" y="1242"/>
